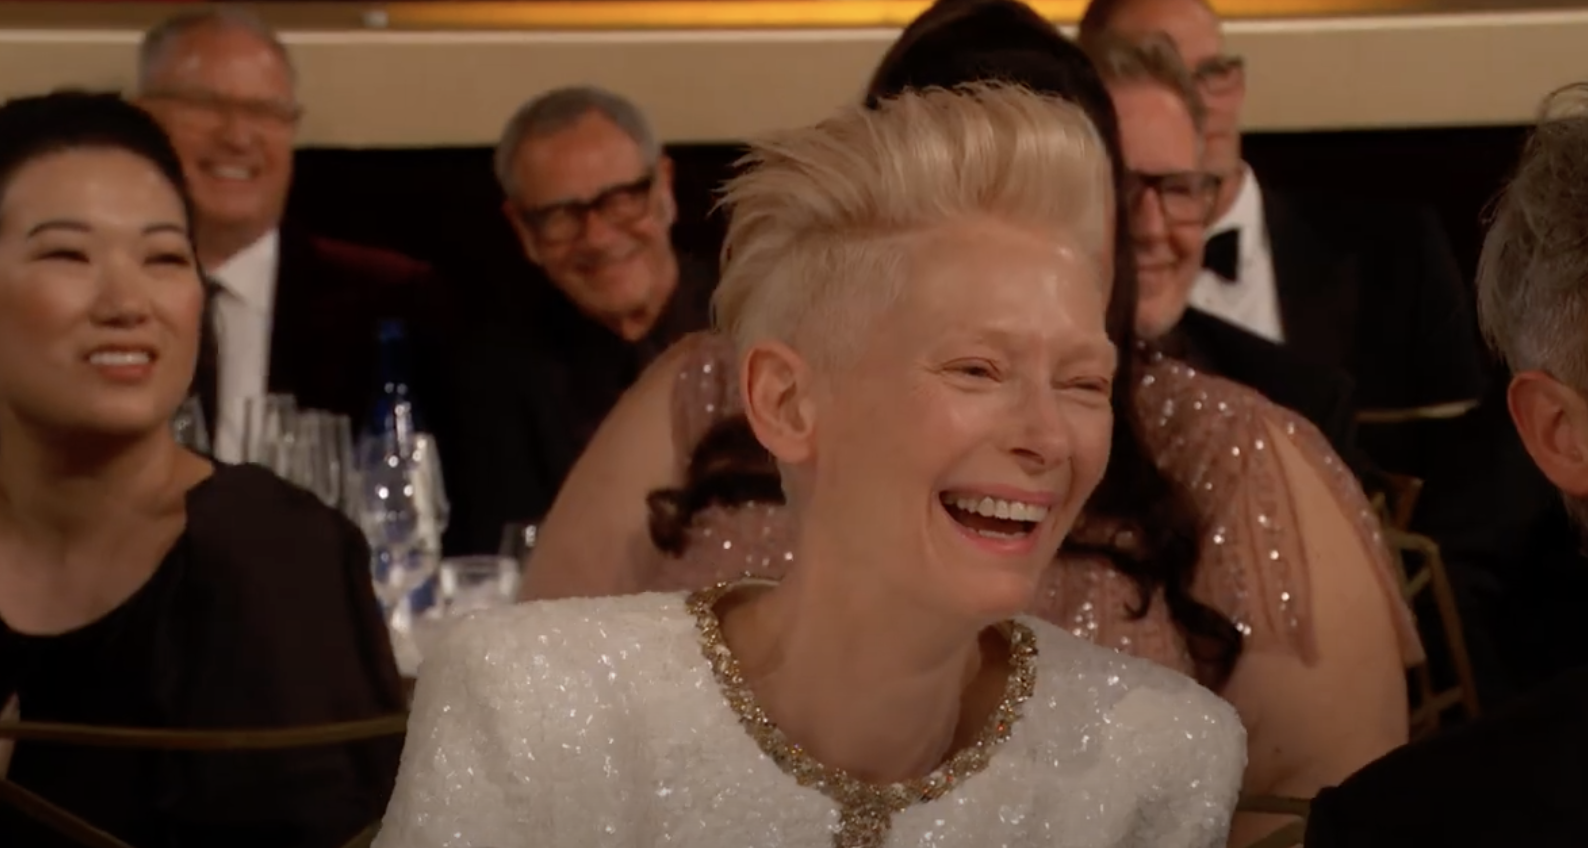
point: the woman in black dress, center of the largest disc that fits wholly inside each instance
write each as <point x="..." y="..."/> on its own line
<point x="142" y="585"/>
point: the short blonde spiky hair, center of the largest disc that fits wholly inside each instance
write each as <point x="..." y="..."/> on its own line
<point x="822" y="217"/>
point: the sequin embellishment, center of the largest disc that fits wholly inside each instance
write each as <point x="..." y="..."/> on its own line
<point x="865" y="809"/>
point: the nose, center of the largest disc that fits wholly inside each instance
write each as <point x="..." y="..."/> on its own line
<point x="599" y="234"/>
<point x="234" y="130"/>
<point x="1147" y="222"/>
<point x="1043" y="437"/>
<point x="123" y="296"/>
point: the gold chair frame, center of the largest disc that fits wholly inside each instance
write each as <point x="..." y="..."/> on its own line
<point x="1427" y="574"/>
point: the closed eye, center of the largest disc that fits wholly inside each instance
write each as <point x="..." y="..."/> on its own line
<point x="978" y="370"/>
<point x="180" y="260"/>
<point x="1097" y="385"/>
<point x="64" y="254"/>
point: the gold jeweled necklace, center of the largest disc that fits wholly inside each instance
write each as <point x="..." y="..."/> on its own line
<point x="866" y="810"/>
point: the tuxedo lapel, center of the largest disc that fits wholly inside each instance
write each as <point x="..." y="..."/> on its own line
<point x="1315" y="283"/>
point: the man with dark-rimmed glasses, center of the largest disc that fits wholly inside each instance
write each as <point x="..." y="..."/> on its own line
<point x="1370" y="287"/>
<point x="588" y="192"/>
<point x="1367" y="287"/>
<point x="1171" y="196"/>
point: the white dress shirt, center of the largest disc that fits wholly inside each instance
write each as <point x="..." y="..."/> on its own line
<point x="1251" y="300"/>
<point x="243" y="313"/>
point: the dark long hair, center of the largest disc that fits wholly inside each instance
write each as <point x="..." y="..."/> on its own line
<point x="38" y="126"/>
<point x="974" y="40"/>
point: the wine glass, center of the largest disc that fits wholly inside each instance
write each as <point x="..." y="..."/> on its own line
<point x="269" y="431"/>
<point x="321" y="455"/>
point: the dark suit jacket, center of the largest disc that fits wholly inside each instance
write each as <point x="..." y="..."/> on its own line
<point x="536" y="378"/>
<point x="1319" y="393"/>
<point x="1517" y="779"/>
<point x="1374" y="289"/>
<point x="330" y="299"/>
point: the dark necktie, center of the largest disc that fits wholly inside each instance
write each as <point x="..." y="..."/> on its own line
<point x="1222" y="255"/>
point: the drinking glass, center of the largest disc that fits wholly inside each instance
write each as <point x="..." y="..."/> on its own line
<point x="188" y="426"/>
<point x="471" y="583"/>
<point x="341" y="469"/>
<point x="269" y="431"/>
<point x="518" y="541"/>
<point x="396" y="509"/>
<point x="321" y="450"/>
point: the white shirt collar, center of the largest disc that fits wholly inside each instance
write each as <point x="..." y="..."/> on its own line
<point x="1246" y="213"/>
<point x="250" y="275"/>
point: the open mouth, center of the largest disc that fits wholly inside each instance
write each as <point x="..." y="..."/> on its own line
<point x="121" y="358"/>
<point x="994" y="518"/>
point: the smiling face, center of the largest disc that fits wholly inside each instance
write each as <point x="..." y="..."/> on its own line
<point x="225" y="97"/>
<point x="596" y="216"/>
<point x="957" y="446"/>
<point x="1168" y="217"/>
<point x="100" y="298"/>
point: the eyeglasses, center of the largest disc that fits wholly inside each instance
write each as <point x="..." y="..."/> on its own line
<point x="1219" y="75"/>
<point x="619" y="204"/>
<point x="1186" y="197"/>
<point x="215" y="106"/>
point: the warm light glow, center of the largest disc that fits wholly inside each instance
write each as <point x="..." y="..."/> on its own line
<point x="736" y="14"/>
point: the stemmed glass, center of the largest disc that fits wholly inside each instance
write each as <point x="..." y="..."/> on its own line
<point x="270" y="432"/>
<point x="321" y="457"/>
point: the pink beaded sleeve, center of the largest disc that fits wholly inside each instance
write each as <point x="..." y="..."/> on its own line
<point x="707" y="391"/>
<point x="1213" y="437"/>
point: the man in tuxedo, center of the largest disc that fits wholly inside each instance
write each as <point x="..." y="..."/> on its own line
<point x="294" y="313"/>
<point x="1171" y="196"/>
<point x="1519" y="777"/>
<point x="1370" y="288"/>
<point x="589" y="194"/>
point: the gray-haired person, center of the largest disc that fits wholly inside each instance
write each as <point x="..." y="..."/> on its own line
<point x="588" y="192"/>
<point x="1519" y="777"/>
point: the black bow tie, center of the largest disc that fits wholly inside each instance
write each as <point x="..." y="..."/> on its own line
<point x="1222" y="255"/>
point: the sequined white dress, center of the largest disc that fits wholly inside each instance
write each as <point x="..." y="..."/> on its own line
<point x="607" y="722"/>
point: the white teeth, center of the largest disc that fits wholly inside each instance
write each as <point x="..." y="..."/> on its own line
<point x="994" y="534"/>
<point x="231" y="172"/>
<point x="119" y="357"/>
<point x="998" y="508"/>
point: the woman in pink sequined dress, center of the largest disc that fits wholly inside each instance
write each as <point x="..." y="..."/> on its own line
<point x="1228" y="541"/>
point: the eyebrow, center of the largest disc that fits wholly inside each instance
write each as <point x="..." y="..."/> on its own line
<point x="83" y="227"/>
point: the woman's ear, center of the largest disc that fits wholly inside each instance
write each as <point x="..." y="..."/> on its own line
<point x="1552" y="419"/>
<point x="775" y="382"/>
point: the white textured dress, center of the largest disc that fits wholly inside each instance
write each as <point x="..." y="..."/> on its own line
<point x="622" y="722"/>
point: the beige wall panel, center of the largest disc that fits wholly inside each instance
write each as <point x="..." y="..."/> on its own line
<point x="411" y="88"/>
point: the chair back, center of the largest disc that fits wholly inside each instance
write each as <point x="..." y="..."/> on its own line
<point x="87" y="835"/>
<point x="1288" y="835"/>
<point x="1425" y="582"/>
